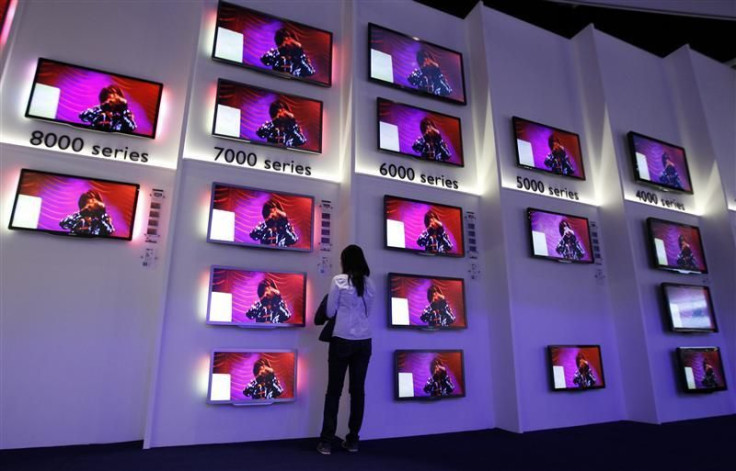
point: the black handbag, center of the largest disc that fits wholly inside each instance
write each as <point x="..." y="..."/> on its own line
<point x="320" y="318"/>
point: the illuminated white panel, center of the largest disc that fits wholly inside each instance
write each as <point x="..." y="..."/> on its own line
<point x="222" y="225"/>
<point x="227" y="121"/>
<point x="382" y="67"/>
<point x="690" y="378"/>
<point x="526" y="156"/>
<point x="221" y="307"/>
<point x="229" y="45"/>
<point x="676" y="319"/>
<point x="539" y="243"/>
<point x="45" y="101"/>
<point x="641" y="164"/>
<point x="220" y="387"/>
<point x="389" y="136"/>
<point x="558" y="374"/>
<point x="661" y="251"/>
<point x="399" y="311"/>
<point x="406" y="385"/>
<point x="27" y="212"/>
<point x="395" y="234"/>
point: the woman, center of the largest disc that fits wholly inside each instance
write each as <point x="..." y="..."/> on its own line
<point x="350" y="298"/>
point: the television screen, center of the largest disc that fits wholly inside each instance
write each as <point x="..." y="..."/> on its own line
<point x="4" y="7"/>
<point x="419" y="133"/>
<point x="94" y="99"/>
<point x="689" y="308"/>
<point x="576" y="367"/>
<point x="552" y="150"/>
<point x="269" y="118"/>
<point x="701" y="369"/>
<point x="273" y="45"/>
<point x="414" y="65"/>
<point x="252" y="377"/>
<point x="256" y="298"/>
<point x="429" y="374"/>
<point x="426" y="302"/>
<point x="73" y="205"/>
<point x="423" y="227"/>
<point x="659" y="163"/>
<point x="676" y="246"/>
<point x="560" y="237"/>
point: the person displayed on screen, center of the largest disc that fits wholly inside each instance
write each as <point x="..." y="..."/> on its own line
<point x="686" y="257"/>
<point x="583" y="377"/>
<point x="438" y="313"/>
<point x="92" y="217"/>
<point x="430" y="144"/>
<point x="112" y="114"/>
<point x="265" y="384"/>
<point x="669" y="175"/>
<point x="275" y="229"/>
<point x="270" y="307"/>
<point x="439" y="383"/>
<point x="288" y="56"/>
<point x="283" y="128"/>
<point x="428" y="76"/>
<point x="569" y="247"/>
<point x="709" y="378"/>
<point x="434" y="238"/>
<point x="557" y="160"/>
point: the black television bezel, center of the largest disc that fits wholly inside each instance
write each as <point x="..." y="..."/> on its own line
<point x="515" y="119"/>
<point x="88" y="128"/>
<point x="421" y="327"/>
<point x="414" y="90"/>
<point x="653" y="248"/>
<point x="557" y="259"/>
<point x="259" y="246"/>
<point x="70" y="234"/>
<point x="550" y="366"/>
<point x="681" y="369"/>
<point x="635" y="165"/>
<point x="668" y="313"/>
<point x="271" y="71"/>
<point x="428" y="398"/>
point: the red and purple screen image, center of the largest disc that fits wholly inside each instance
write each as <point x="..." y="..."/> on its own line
<point x="560" y="236"/>
<point x="423" y="227"/>
<point x="690" y="308"/>
<point x="419" y="133"/>
<point x="416" y="65"/>
<point x="677" y="246"/>
<point x="427" y="302"/>
<point x="266" y="43"/>
<point x="253" y="376"/>
<point x="94" y="99"/>
<point x="702" y="368"/>
<point x="246" y="216"/>
<point x="256" y="298"/>
<point x="264" y="117"/>
<point x="545" y="148"/>
<point x="660" y="163"/>
<point x="4" y="7"/>
<point x="576" y="367"/>
<point x="429" y="374"/>
<point x="74" y="205"/>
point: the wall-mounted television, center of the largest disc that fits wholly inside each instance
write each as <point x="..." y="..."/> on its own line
<point x="94" y="99"/>
<point x="659" y="163"/>
<point x="423" y="227"/>
<point x="411" y="64"/>
<point x="260" y="218"/>
<point x="560" y="237"/>
<point x="701" y="369"/>
<point x="265" y="117"/>
<point x="426" y="302"/>
<point x="575" y="367"/>
<point x="428" y="374"/>
<point x="548" y="149"/>
<point x="677" y="247"/>
<point x="689" y="308"/>
<point x="273" y="45"/>
<point x="249" y="377"/>
<point x="419" y="133"/>
<point x="256" y="298"/>
<point x="74" y="205"/>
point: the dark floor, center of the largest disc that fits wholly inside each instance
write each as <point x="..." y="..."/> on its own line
<point x="696" y="445"/>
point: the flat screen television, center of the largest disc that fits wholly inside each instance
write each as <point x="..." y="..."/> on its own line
<point x="260" y="218"/>
<point x="560" y="237"/>
<point x="417" y="66"/>
<point x="689" y="308"/>
<point x="428" y="374"/>
<point x="659" y="163"/>
<point x="548" y="149"/>
<point x="426" y="302"/>
<point x="256" y="298"/>
<point x="575" y="367"/>
<point x="677" y="247"/>
<point x="423" y="227"/>
<point x="265" y="117"/>
<point x="419" y="133"/>
<point x="94" y="99"/>
<point x="74" y="206"/>
<point x="273" y="45"/>
<point x="701" y="369"/>
<point x="250" y="377"/>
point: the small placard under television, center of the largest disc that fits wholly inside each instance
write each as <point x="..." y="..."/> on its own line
<point x="560" y="237"/>
<point x="249" y="377"/>
<point x="548" y="149"/>
<point x="677" y="247"/>
<point x="659" y="163"/>
<point x="428" y="374"/>
<point x="423" y="227"/>
<point x="575" y="367"/>
<point x="689" y="308"/>
<point x="426" y="302"/>
<point x="701" y="369"/>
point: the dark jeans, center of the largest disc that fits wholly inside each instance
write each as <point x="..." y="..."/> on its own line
<point x="346" y="354"/>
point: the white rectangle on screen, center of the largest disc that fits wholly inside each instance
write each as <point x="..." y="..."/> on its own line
<point x="221" y="307"/>
<point x="388" y="136"/>
<point x="690" y="378"/>
<point x="406" y="385"/>
<point x="229" y="45"/>
<point x="676" y="319"/>
<point x="399" y="311"/>
<point x="395" y="234"/>
<point x="526" y="156"/>
<point x="45" y="101"/>
<point x="227" y="121"/>
<point x="222" y="225"/>
<point x="641" y="165"/>
<point x="27" y="212"/>
<point x="539" y="243"/>
<point x="220" y="390"/>
<point x="558" y="375"/>
<point x="382" y="67"/>
<point x="660" y="251"/>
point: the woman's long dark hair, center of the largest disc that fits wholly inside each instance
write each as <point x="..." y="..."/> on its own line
<point x="354" y="265"/>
